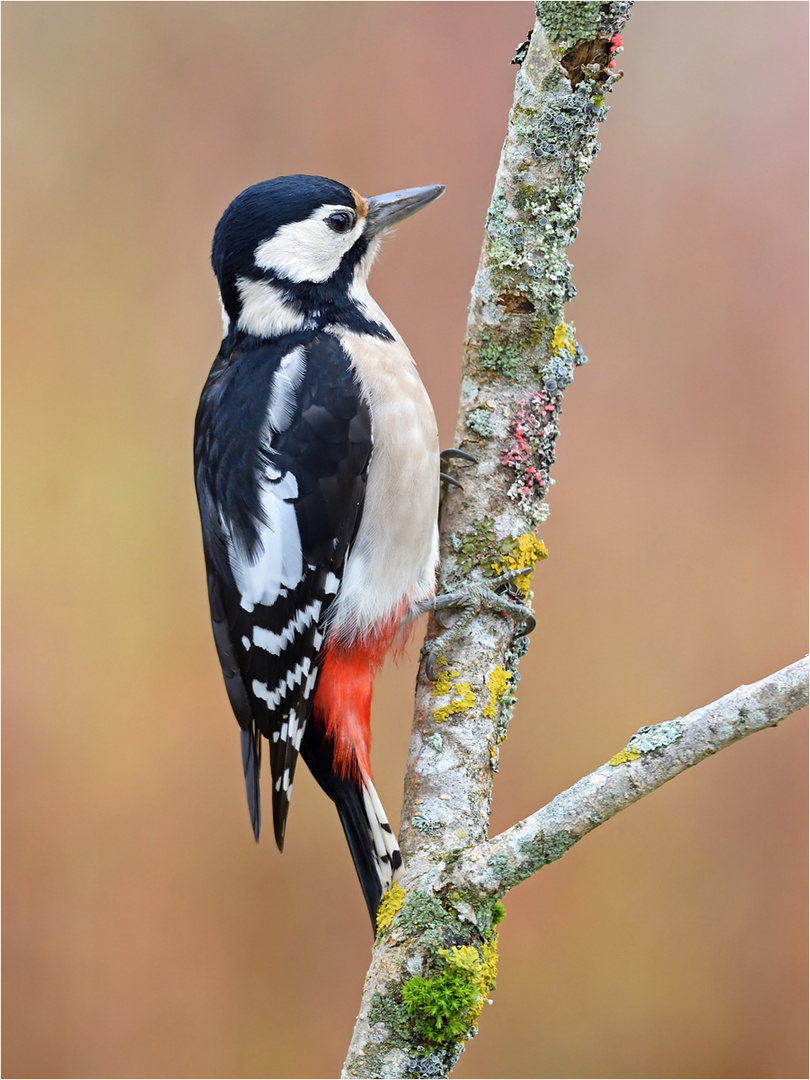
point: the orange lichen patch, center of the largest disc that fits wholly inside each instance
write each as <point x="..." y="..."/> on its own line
<point x="359" y="202"/>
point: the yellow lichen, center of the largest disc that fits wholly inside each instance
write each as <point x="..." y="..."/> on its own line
<point x="526" y="551"/>
<point x="498" y="685"/>
<point x="482" y="968"/>
<point x="463" y="702"/>
<point x="444" y="683"/>
<point x="390" y="904"/>
<point x="489" y="965"/>
<point x="561" y="339"/>
<point x="624" y="756"/>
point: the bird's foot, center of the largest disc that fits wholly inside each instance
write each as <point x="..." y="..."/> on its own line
<point x="446" y="456"/>
<point x="470" y="601"/>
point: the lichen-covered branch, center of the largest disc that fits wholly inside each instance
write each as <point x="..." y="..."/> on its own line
<point x="435" y="957"/>
<point x="653" y="756"/>
<point x="520" y="356"/>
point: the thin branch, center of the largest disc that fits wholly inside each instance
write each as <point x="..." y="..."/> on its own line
<point x="652" y="757"/>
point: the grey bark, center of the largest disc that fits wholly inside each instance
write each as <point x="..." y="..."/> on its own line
<point x="433" y="960"/>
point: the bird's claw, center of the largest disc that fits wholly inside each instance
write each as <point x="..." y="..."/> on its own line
<point x="450" y="480"/>
<point x="471" y="600"/>
<point x="430" y="665"/>
<point x="454" y="452"/>
<point x="448" y="455"/>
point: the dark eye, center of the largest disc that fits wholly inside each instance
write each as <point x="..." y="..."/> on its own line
<point x="341" y="221"/>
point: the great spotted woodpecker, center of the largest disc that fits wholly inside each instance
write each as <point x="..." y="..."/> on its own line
<point x="317" y="472"/>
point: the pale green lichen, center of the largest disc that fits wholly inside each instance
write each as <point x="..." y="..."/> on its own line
<point x="565" y="23"/>
<point x="648" y="739"/>
<point x="426" y="824"/>
<point x="656" y="736"/>
<point x="494" y="357"/>
<point x="422" y="912"/>
<point x="388" y="1009"/>
<point x="480" y="421"/>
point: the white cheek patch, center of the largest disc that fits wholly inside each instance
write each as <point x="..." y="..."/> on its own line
<point x="266" y="311"/>
<point x="307" y="250"/>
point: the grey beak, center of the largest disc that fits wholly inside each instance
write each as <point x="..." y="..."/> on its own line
<point x="383" y="211"/>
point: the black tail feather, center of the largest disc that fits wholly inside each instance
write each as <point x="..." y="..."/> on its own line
<point x="349" y="803"/>
<point x="318" y="752"/>
<point x="251" y="763"/>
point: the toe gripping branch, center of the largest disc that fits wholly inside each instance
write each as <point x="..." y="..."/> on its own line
<point x="446" y="456"/>
<point x="470" y="602"/>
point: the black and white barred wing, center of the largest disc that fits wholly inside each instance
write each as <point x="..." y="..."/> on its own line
<point x="281" y="481"/>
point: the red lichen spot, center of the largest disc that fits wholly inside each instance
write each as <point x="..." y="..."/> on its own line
<point x="612" y="64"/>
<point x="616" y="43"/>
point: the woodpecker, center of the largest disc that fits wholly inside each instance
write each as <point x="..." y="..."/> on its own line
<point x="317" y="471"/>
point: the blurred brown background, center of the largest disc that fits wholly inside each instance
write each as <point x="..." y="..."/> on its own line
<point x="145" y="934"/>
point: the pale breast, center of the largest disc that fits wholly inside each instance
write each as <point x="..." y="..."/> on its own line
<point x="393" y="558"/>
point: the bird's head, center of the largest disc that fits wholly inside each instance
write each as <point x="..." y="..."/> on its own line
<point x="295" y="249"/>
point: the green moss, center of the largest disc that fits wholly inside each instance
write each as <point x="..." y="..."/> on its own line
<point x="444" y="1007"/>
<point x="439" y="1006"/>
<point x="566" y="24"/>
<point x="498" y="913"/>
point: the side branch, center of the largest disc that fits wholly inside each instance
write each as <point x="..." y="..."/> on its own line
<point x="652" y="757"/>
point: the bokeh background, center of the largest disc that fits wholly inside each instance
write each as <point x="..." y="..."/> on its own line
<point x="145" y="935"/>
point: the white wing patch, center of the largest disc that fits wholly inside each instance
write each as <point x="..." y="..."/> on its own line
<point x="277" y="565"/>
<point x="284" y="391"/>
<point x="307" y="250"/>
